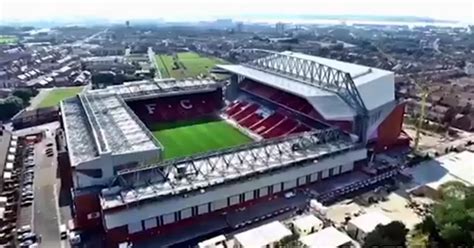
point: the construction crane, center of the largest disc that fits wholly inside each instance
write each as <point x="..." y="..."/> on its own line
<point x="425" y="92"/>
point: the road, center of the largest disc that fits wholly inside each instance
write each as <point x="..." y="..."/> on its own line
<point x="152" y="58"/>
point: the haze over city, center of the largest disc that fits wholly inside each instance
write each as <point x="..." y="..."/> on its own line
<point x="189" y="10"/>
<point x="236" y="123"/>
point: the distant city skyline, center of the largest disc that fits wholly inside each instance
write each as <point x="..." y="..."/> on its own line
<point x="194" y="10"/>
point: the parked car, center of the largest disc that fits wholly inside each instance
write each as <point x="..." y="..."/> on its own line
<point x="27" y="236"/>
<point x="23" y="229"/>
<point x="9" y="192"/>
<point x="26" y="194"/>
<point x="26" y="203"/>
<point x="28" y="166"/>
<point x="5" y="237"/>
<point x="289" y="195"/>
<point x="27" y="198"/>
<point x="26" y="244"/>
<point x="74" y="238"/>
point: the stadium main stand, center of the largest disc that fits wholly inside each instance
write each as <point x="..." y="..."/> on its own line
<point x="175" y="108"/>
<point x="290" y="101"/>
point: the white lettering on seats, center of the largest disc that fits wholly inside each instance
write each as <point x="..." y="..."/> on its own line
<point x="186" y="104"/>
<point x="151" y="108"/>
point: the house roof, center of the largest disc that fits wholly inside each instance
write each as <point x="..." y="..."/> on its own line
<point x="367" y="222"/>
<point x="328" y="237"/>
<point x="263" y="235"/>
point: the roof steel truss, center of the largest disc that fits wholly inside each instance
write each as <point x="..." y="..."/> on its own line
<point x="310" y="72"/>
<point x="239" y="160"/>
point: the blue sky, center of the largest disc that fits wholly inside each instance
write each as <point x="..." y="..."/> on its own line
<point x="459" y="10"/>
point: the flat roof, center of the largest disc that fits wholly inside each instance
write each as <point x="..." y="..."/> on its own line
<point x="136" y="89"/>
<point x="190" y="174"/>
<point x="367" y="222"/>
<point x="450" y="167"/>
<point x="263" y="235"/>
<point x="307" y="221"/>
<point x="98" y="124"/>
<point x="328" y="237"/>
<point x="99" y="121"/>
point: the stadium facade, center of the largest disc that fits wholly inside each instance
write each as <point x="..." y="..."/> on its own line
<point x="311" y="118"/>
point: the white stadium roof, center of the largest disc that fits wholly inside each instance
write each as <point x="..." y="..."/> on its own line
<point x="376" y="86"/>
<point x="193" y="173"/>
<point x="99" y="121"/>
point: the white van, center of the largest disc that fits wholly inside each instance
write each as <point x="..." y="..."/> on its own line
<point x="63" y="231"/>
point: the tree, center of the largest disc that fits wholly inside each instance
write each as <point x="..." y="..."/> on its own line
<point x="25" y="94"/>
<point x="453" y="190"/>
<point x="453" y="217"/>
<point x="393" y="235"/>
<point x="152" y="71"/>
<point x="9" y="107"/>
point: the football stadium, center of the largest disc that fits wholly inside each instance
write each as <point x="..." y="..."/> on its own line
<point x="150" y="159"/>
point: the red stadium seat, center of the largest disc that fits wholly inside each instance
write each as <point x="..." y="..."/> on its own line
<point x="250" y="120"/>
<point x="267" y="123"/>
<point x="246" y="111"/>
<point x="282" y="128"/>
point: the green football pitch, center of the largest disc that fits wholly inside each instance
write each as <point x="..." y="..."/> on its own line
<point x="186" y="138"/>
<point x="188" y="64"/>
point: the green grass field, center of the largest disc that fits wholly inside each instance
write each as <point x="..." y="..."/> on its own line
<point x="8" y="39"/>
<point x="191" y="137"/>
<point x="54" y="96"/>
<point x="191" y="65"/>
